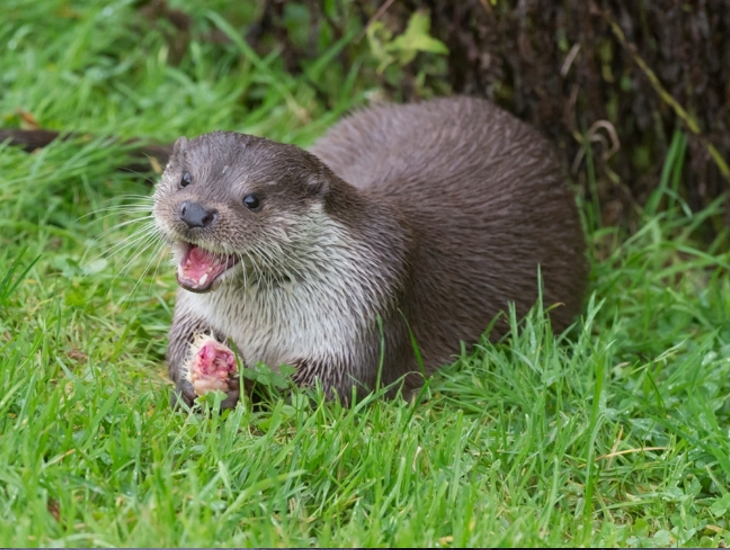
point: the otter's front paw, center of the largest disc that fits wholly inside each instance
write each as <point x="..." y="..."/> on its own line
<point x="210" y="366"/>
<point x="183" y="394"/>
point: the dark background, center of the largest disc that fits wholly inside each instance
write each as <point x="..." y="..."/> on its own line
<point x="612" y="82"/>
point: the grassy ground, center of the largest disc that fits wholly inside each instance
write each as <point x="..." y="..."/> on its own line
<point x="615" y="435"/>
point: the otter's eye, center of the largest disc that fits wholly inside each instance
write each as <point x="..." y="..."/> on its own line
<point x="251" y="202"/>
<point x="186" y="180"/>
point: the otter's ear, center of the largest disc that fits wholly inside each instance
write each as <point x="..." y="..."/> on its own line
<point x="319" y="181"/>
<point x="181" y="144"/>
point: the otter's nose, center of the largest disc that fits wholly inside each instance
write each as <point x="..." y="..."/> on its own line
<point x="196" y="215"/>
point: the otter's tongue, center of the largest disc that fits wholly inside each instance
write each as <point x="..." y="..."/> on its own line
<point x="199" y="268"/>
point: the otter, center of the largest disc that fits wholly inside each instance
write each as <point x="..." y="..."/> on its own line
<point x="403" y="224"/>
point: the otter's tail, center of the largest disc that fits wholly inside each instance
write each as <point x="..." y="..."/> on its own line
<point x="144" y="157"/>
<point x="30" y="140"/>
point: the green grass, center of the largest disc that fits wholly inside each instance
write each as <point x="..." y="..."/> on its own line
<point x="614" y="435"/>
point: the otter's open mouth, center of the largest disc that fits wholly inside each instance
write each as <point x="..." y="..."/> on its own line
<point x="200" y="268"/>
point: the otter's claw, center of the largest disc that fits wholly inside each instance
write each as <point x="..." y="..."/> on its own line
<point x="183" y="394"/>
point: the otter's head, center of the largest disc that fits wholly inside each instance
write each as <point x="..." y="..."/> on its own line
<point x="235" y="204"/>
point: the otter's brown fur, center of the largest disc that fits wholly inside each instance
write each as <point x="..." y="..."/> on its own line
<point x="430" y="217"/>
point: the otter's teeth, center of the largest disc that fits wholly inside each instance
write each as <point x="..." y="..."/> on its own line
<point x="203" y="279"/>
